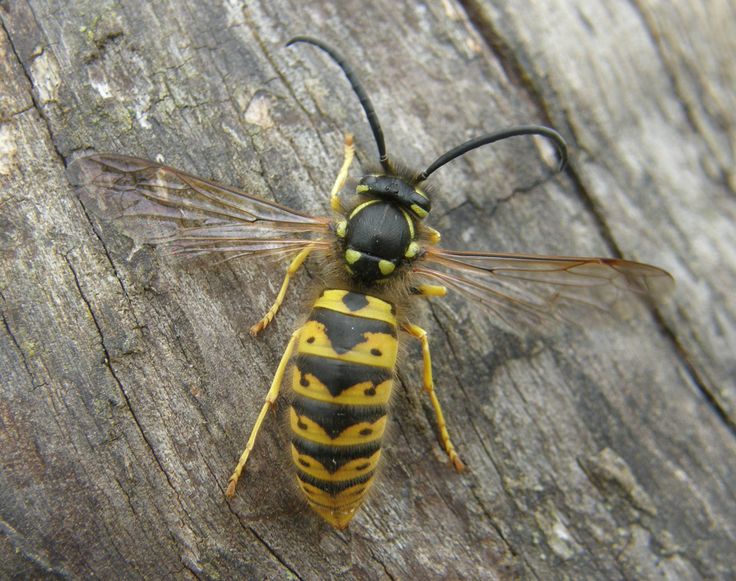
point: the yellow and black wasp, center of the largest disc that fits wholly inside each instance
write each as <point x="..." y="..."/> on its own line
<point x="379" y="254"/>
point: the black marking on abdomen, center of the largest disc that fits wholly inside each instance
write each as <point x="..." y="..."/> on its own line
<point x="334" y="457"/>
<point x="332" y="487"/>
<point x="334" y="418"/>
<point x="337" y="375"/>
<point x="355" y="301"/>
<point x="347" y="331"/>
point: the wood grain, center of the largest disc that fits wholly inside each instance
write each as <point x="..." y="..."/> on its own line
<point x="129" y="384"/>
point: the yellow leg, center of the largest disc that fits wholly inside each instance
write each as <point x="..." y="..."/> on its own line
<point x="429" y="290"/>
<point x="271" y="397"/>
<point x="343" y="175"/>
<point x="434" y="235"/>
<point x="421" y="334"/>
<point x="268" y="317"/>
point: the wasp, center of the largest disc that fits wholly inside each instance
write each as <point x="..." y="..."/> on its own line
<point x="380" y="255"/>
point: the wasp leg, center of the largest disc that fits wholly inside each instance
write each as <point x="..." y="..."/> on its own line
<point x="421" y="334"/>
<point x="271" y="397"/>
<point x="268" y="317"/>
<point x="343" y="174"/>
<point x="434" y="235"/>
<point x="429" y="290"/>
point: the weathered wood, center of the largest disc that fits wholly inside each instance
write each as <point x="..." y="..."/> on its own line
<point x="129" y="384"/>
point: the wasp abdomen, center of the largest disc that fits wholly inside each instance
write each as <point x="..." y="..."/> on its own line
<point x="342" y="379"/>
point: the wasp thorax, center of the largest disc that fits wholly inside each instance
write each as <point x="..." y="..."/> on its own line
<point x="379" y="236"/>
<point x="396" y="189"/>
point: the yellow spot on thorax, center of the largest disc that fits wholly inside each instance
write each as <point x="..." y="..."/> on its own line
<point x="386" y="267"/>
<point x="352" y="256"/>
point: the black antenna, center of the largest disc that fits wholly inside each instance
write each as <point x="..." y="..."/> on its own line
<point x="365" y="102"/>
<point x="498" y="136"/>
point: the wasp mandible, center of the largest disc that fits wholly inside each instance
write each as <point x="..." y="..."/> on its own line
<point x="341" y="362"/>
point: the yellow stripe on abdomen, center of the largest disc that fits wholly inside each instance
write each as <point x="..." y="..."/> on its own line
<point x="342" y="380"/>
<point x="357" y="305"/>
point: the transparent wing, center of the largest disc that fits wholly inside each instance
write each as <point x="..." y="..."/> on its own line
<point x="188" y="215"/>
<point x="532" y="290"/>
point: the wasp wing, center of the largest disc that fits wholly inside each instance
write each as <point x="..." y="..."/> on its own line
<point x="531" y="290"/>
<point x="188" y="215"/>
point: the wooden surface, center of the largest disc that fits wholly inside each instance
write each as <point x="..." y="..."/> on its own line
<point x="128" y="384"/>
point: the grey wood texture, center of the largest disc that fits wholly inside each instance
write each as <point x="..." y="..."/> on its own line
<point x="129" y="384"/>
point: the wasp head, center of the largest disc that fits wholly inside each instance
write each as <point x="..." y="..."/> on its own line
<point x="396" y="189"/>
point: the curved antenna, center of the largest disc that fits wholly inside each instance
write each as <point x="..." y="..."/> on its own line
<point x="498" y="136"/>
<point x="365" y="102"/>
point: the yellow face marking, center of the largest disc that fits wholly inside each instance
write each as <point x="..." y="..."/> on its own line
<point x="360" y="433"/>
<point x="420" y="212"/>
<point x="386" y="267"/>
<point x="352" y="256"/>
<point x="353" y="469"/>
<point x="361" y="189"/>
